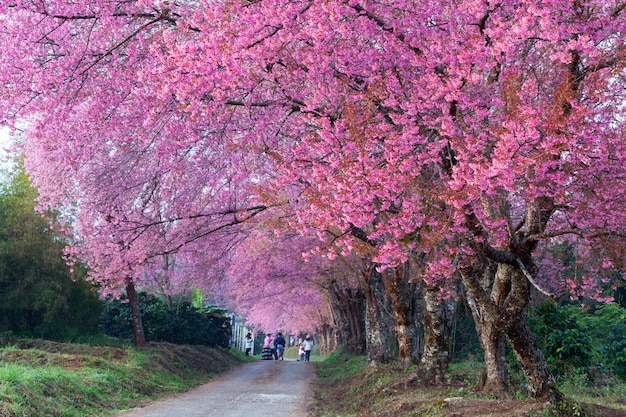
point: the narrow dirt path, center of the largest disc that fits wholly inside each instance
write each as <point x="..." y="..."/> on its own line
<point x="257" y="389"/>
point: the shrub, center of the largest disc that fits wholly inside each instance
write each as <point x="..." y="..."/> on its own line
<point x="566" y="343"/>
<point x="184" y="324"/>
<point x="606" y="324"/>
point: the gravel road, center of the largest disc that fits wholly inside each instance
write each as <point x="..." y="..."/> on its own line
<point x="256" y="389"/>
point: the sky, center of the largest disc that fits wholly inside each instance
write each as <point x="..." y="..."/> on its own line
<point x="4" y="138"/>
<point x="5" y="142"/>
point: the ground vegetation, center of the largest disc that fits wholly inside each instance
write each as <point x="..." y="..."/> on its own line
<point x="349" y="388"/>
<point x="44" y="378"/>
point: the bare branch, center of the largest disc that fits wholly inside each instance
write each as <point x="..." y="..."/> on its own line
<point x="242" y="103"/>
<point x="360" y="234"/>
<point x="275" y="29"/>
<point x="273" y="32"/>
<point x="532" y="280"/>
<point x="383" y="25"/>
<point x="577" y="232"/>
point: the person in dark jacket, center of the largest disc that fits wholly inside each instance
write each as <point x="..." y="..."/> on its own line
<point x="280" y="346"/>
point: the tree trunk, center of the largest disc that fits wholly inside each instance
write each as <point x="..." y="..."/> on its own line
<point x="357" y="319"/>
<point x="418" y="319"/>
<point x="170" y="303"/>
<point x="494" y="377"/>
<point x="541" y="383"/>
<point x="376" y="320"/>
<point x="437" y="330"/>
<point x="347" y="305"/>
<point x="514" y="324"/>
<point x="404" y="292"/>
<point x="135" y="311"/>
<point x="327" y="338"/>
<point x="506" y="310"/>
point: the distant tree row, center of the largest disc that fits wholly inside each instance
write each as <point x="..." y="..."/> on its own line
<point x="39" y="296"/>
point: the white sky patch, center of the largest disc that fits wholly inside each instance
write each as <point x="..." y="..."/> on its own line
<point x="5" y="138"/>
<point x="5" y="145"/>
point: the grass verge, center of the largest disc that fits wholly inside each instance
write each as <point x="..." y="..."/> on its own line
<point x="42" y="378"/>
<point x="349" y="388"/>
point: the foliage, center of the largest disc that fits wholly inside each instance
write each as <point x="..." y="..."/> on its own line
<point x="362" y="110"/>
<point x="275" y="290"/>
<point x="464" y="341"/>
<point x="565" y="342"/>
<point x="183" y="324"/>
<point x="196" y="299"/>
<point x="606" y="325"/>
<point x="39" y="295"/>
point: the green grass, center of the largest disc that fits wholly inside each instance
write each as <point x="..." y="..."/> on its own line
<point x="78" y="380"/>
<point x="242" y="356"/>
<point x="292" y="353"/>
<point x="338" y="366"/>
<point x="612" y="395"/>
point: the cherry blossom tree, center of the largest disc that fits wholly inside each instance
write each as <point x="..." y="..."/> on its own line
<point x="472" y="131"/>
<point x="511" y="110"/>
<point x="133" y="190"/>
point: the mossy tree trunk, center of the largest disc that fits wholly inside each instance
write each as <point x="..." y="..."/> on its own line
<point x="135" y="311"/>
<point x="377" y="328"/>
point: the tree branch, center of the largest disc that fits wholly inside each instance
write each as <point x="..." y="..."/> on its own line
<point x="120" y="44"/>
<point x="530" y="279"/>
<point x="383" y="25"/>
<point x="618" y="9"/>
<point x="577" y="232"/>
<point x="360" y="234"/>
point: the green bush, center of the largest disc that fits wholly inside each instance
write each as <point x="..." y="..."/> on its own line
<point x="565" y="342"/>
<point x="183" y="324"/>
<point x="573" y="339"/>
<point x="606" y="324"/>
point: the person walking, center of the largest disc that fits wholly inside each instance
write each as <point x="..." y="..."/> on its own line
<point x="249" y="344"/>
<point x="273" y="348"/>
<point x="266" y="353"/>
<point x="280" y="346"/>
<point x="301" y="352"/>
<point x="308" y="346"/>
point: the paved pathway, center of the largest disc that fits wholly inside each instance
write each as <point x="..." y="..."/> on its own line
<point x="256" y="389"/>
